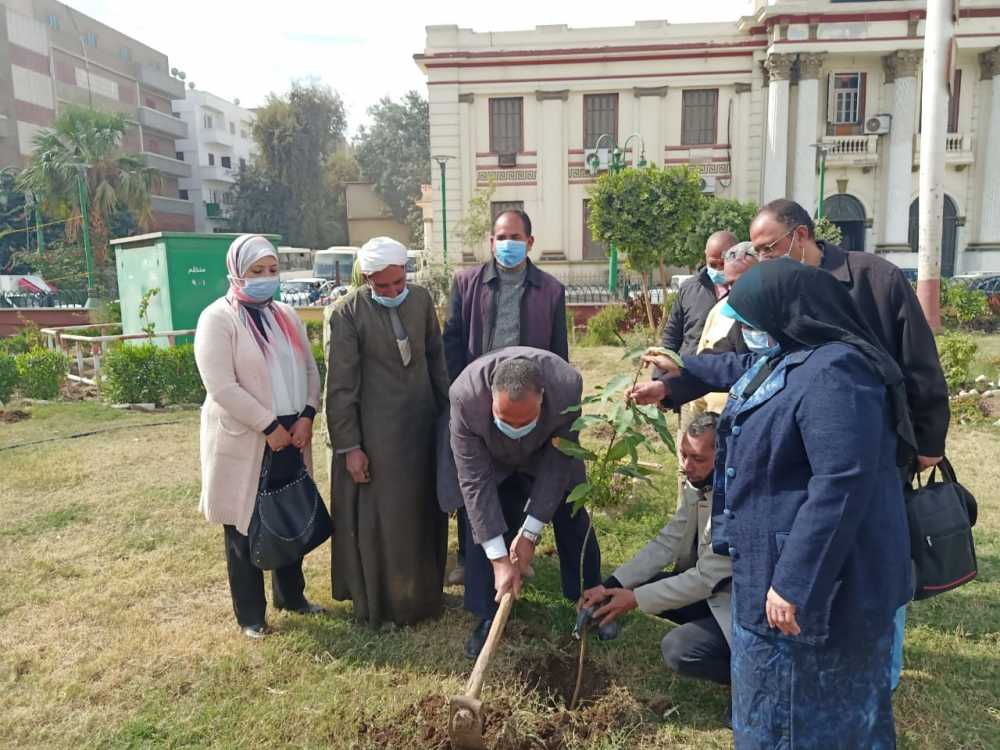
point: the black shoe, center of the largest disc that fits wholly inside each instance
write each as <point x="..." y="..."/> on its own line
<point x="306" y="609"/>
<point x="255" y="632"/>
<point x="477" y="639"/>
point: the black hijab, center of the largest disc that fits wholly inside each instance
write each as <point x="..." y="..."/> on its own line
<point x="802" y="307"/>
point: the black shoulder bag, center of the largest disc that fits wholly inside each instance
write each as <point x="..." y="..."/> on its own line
<point x="941" y="515"/>
<point x="288" y="522"/>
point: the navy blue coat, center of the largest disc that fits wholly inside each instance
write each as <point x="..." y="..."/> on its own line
<point x="811" y="501"/>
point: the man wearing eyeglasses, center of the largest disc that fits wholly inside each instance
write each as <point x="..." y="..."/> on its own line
<point x="890" y="307"/>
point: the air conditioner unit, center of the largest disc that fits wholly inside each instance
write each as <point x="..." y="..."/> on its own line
<point x="878" y="125"/>
<point x="597" y="159"/>
<point x="507" y="160"/>
<point x="708" y="183"/>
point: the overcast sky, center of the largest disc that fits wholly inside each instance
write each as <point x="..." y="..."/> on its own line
<point x="246" y="50"/>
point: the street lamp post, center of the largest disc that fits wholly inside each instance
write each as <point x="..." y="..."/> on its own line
<point x="81" y="183"/>
<point x="821" y="148"/>
<point x="616" y="163"/>
<point x="442" y="160"/>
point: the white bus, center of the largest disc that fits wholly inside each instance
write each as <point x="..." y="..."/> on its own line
<point x="335" y="263"/>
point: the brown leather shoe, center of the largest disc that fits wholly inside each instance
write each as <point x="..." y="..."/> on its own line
<point x="457" y="576"/>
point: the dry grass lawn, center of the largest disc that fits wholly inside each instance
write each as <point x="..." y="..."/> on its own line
<point x="116" y="629"/>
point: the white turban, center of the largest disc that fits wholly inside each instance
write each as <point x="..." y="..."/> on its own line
<point x="379" y="253"/>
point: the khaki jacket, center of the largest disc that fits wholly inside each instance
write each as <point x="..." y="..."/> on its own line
<point x="717" y="327"/>
<point x="705" y="577"/>
<point x="237" y="408"/>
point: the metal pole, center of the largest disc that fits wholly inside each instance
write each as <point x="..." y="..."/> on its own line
<point x="613" y="168"/>
<point x="939" y="34"/>
<point x="444" y="216"/>
<point x="39" y="234"/>
<point x="822" y="182"/>
<point x="87" y="253"/>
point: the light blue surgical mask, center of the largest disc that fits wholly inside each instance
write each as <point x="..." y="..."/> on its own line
<point x="718" y="277"/>
<point x="392" y="301"/>
<point x="262" y="289"/>
<point x="514" y="433"/>
<point x="758" y="341"/>
<point x="511" y="253"/>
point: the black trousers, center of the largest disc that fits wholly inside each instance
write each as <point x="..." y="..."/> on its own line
<point x="569" y="531"/>
<point x="246" y="581"/>
<point x="698" y="648"/>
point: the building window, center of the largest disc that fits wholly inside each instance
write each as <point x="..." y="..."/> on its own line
<point x="506" y="125"/>
<point x="227" y="198"/>
<point x="600" y="115"/>
<point x="227" y="162"/>
<point x="243" y="163"/>
<point x="54" y="23"/>
<point x="953" y="101"/>
<point x="498" y="207"/>
<point x="232" y="128"/>
<point x="151" y="103"/>
<point x="243" y="133"/>
<point x="125" y="54"/>
<point x="699" y="117"/>
<point x="846" y="99"/>
<point x="211" y="160"/>
<point x="207" y="122"/>
<point x="592" y="249"/>
<point x="179" y="155"/>
<point x="89" y="39"/>
<point x="183" y="195"/>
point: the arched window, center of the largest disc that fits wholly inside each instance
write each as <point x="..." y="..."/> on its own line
<point x="949" y="233"/>
<point x="848" y="214"/>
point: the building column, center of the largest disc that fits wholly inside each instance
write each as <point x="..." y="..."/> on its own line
<point x="989" y="211"/>
<point x="779" y="68"/>
<point x="551" y="178"/>
<point x="806" y="118"/>
<point x="901" y="69"/>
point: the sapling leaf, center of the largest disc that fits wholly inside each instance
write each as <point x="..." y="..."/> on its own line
<point x="617" y="384"/>
<point x="586" y="421"/>
<point x="619" y="450"/>
<point x="571" y="409"/>
<point x="574" y="450"/>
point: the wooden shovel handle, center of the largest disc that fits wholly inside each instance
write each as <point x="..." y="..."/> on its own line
<point x="475" y="684"/>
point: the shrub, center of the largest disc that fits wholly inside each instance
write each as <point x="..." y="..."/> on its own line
<point x="720" y="214"/>
<point x="320" y="356"/>
<point x="8" y="375"/>
<point x="22" y="342"/>
<point x="957" y="352"/>
<point x="826" y="230"/>
<point x="603" y="328"/>
<point x="961" y="305"/>
<point x="133" y="374"/>
<point x="314" y="330"/>
<point x="41" y="373"/>
<point x="635" y="312"/>
<point x="181" y="379"/>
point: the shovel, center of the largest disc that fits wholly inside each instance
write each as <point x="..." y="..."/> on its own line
<point x="465" y="720"/>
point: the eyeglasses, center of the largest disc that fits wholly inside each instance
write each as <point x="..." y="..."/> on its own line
<point x="767" y="252"/>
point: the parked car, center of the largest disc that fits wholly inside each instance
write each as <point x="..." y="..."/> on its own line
<point x="299" y="292"/>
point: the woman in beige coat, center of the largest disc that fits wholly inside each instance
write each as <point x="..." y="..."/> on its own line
<point x="262" y="389"/>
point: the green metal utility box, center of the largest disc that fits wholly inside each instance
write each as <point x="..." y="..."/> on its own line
<point x="189" y="270"/>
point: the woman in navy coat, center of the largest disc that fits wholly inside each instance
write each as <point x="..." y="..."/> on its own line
<point x="809" y="505"/>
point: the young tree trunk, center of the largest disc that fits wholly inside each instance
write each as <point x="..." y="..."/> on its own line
<point x="664" y="286"/>
<point x="644" y="282"/>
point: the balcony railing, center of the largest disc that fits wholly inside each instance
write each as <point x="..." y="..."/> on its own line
<point x="958" y="149"/>
<point x="156" y="79"/>
<point x="166" y="205"/>
<point x="217" y="173"/>
<point x="217" y="136"/>
<point x="167" y="165"/>
<point x="852" y="150"/>
<point x="162" y="122"/>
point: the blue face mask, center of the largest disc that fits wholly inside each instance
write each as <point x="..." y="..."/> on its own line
<point x="514" y="433"/>
<point x="392" y="301"/>
<point x="511" y="253"/>
<point x="718" y="277"/>
<point x="261" y="290"/>
<point x="758" y="341"/>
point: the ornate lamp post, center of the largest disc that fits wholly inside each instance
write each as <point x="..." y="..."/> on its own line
<point x="442" y="160"/>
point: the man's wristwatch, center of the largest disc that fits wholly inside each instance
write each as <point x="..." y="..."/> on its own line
<point x="530" y="536"/>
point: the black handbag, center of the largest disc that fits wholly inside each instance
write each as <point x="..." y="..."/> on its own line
<point x="941" y="515"/>
<point x="287" y="522"/>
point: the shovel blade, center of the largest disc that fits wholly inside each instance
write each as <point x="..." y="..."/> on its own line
<point x="465" y="723"/>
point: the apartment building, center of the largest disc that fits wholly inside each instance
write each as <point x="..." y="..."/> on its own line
<point x="219" y="141"/>
<point x="52" y="56"/>
<point x="748" y="102"/>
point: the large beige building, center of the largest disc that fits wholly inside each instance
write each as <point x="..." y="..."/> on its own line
<point x="747" y="102"/>
<point x="52" y="56"/>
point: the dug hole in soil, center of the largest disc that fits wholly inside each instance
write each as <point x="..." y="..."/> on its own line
<point x="604" y="707"/>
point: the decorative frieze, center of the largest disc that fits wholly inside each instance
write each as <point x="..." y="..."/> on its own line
<point x="506" y="176"/>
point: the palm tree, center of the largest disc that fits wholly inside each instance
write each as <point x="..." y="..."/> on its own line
<point x="89" y="141"/>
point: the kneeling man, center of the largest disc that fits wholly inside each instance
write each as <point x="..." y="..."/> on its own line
<point x="508" y="408"/>
<point x="696" y="594"/>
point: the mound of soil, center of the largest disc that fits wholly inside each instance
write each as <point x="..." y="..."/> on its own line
<point x="555" y="676"/>
<point x="10" y="416"/>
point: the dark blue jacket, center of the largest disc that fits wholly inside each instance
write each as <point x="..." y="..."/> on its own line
<point x="808" y="497"/>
